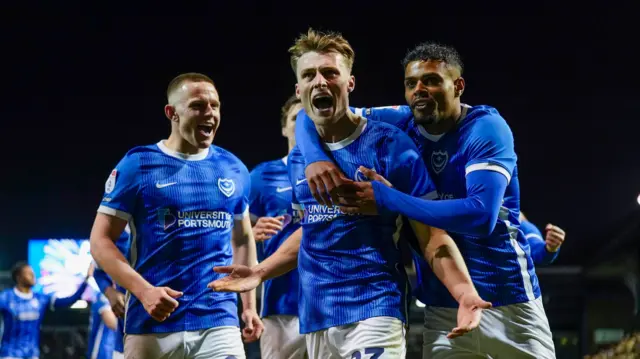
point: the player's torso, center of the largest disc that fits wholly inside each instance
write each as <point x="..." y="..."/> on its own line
<point x="101" y="338"/>
<point x="21" y="320"/>
<point x="182" y="227"/>
<point x="280" y="295"/>
<point x="349" y="264"/>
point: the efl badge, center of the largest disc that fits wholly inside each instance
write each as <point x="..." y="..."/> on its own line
<point x="111" y="182"/>
<point x="226" y="186"/>
<point x="439" y="160"/>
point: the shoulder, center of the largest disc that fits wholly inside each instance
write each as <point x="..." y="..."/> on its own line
<point x="268" y="166"/>
<point x="219" y="154"/>
<point x="390" y="137"/>
<point x="486" y="121"/>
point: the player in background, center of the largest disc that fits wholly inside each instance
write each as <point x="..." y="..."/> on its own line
<point x="273" y="221"/>
<point x="186" y="202"/>
<point x="115" y="294"/>
<point x="102" y="329"/>
<point x="544" y="250"/>
<point x="22" y="312"/>
<point x="469" y="151"/>
<point x="353" y="288"/>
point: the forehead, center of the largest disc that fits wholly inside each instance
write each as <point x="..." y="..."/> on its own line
<point x="314" y="60"/>
<point x="421" y="68"/>
<point x="201" y="89"/>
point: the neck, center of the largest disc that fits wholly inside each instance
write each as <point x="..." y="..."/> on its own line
<point x="340" y="129"/>
<point x="178" y="144"/>
<point x="23" y="289"/>
<point x="446" y="123"/>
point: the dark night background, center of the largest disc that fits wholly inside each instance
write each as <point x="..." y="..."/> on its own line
<point x="83" y="85"/>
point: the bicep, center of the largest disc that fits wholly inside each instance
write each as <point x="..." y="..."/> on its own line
<point x="108" y="226"/>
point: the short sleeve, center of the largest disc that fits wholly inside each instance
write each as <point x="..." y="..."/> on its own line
<point x="397" y="116"/>
<point x="490" y="146"/>
<point x="121" y="188"/>
<point x="256" y="208"/>
<point x="295" y="167"/>
<point x="242" y="208"/>
<point x="406" y="169"/>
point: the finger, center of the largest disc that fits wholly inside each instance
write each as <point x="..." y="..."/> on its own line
<point x="258" y="329"/>
<point x="173" y="293"/>
<point x="350" y="210"/>
<point x="263" y="237"/>
<point x="221" y="285"/>
<point x="551" y="227"/>
<point x="272" y="227"/>
<point x="271" y="221"/>
<point x="327" y="183"/>
<point x="169" y="301"/>
<point x="556" y="236"/>
<point x="321" y="191"/>
<point x="225" y="269"/>
<point x="485" y="305"/>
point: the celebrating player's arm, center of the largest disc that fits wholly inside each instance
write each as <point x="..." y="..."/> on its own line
<point x="444" y="258"/>
<point x="70" y="300"/>
<point x="244" y="254"/>
<point x="241" y="278"/>
<point x="111" y="219"/>
<point x="108" y="288"/>
<point x="544" y="250"/>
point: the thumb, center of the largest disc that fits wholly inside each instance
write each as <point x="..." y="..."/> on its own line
<point x="549" y="227"/>
<point x="224" y="269"/>
<point x="367" y="172"/>
<point x="485" y="305"/>
<point x="249" y="323"/>
<point x="173" y="293"/>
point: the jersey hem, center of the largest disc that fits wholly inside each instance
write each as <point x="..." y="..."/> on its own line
<point x="394" y="313"/>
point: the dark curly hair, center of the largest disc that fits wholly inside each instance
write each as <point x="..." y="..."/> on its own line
<point x="434" y="51"/>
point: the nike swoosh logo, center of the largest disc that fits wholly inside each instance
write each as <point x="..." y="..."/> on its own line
<point x="281" y="189"/>
<point x="300" y="181"/>
<point x="163" y="185"/>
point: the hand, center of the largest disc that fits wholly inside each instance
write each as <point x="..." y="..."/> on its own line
<point x="91" y="269"/>
<point x="253" y="326"/>
<point x="240" y="279"/>
<point x="323" y="179"/>
<point x="554" y="237"/>
<point x="160" y="302"/>
<point x="359" y="197"/>
<point x="266" y="227"/>
<point x="469" y="314"/>
<point x="116" y="299"/>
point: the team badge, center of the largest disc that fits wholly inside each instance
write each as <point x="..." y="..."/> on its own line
<point x="439" y="160"/>
<point x="226" y="186"/>
<point x="111" y="182"/>
<point x="360" y="177"/>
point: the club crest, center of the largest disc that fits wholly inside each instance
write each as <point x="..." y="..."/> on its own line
<point x="226" y="186"/>
<point x="360" y="177"/>
<point x="439" y="160"/>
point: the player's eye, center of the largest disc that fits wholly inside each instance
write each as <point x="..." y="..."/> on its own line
<point x="410" y="84"/>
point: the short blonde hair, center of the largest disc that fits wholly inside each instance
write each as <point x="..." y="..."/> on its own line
<point x="322" y="43"/>
<point x="189" y="76"/>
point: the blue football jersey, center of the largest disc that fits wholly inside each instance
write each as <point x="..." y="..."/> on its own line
<point x="181" y="211"/>
<point x="101" y="338"/>
<point x="271" y="197"/>
<point x="22" y="315"/>
<point x="500" y="264"/>
<point x="350" y="265"/>
<point x="102" y="278"/>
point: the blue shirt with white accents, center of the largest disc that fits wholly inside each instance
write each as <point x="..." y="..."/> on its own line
<point x="22" y="315"/>
<point x="481" y="144"/>
<point x="271" y="197"/>
<point x="181" y="211"/>
<point x="104" y="280"/>
<point x="101" y="338"/>
<point x="541" y="256"/>
<point x="350" y="265"/>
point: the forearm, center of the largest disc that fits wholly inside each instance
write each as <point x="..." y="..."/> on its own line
<point x="446" y="261"/>
<point x="308" y="140"/>
<point x="111" y="260"/>
<point x="68" y="301"/>
<point x="283" y="260"/>
<point x="244" y="253"/>
<point x="475" y="215"/>
<point x="102" y="279"/>
<point x="539" y="253"/>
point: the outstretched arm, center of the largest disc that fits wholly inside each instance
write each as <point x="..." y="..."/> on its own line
<point x="68" y="301"/>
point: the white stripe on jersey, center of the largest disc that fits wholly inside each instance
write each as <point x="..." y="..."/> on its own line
<point x="114" y="212"/>
<point x="489" y="167"/>
<point x="522" y="262"/>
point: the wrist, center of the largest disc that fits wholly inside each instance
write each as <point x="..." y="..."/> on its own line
<point x="464" y="291"/>
<point x="551" y="249"/>
<point x="139" y="289"/>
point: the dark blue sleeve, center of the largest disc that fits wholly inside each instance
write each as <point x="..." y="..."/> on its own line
<point x="539" y="253"/>
<point x="470" y="216"/>
<point x="68" y="301"/>
<point x="102" y="279"/>
<point x="489" y="146"/>
<point x="308" y="140"/>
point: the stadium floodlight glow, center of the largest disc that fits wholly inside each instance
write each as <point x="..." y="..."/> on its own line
<point x="639" y="199"/>
<point x="419" y="304"/>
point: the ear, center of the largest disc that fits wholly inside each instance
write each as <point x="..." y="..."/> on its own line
<point x="284" y="132"/>
<point x="459" y="86"/>
<point x="351" y="85"/>
<point x="297" y="91"/>
<point x="170" y="112"/>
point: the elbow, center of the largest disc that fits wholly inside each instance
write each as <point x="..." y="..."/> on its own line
<point x="484" y="219"/>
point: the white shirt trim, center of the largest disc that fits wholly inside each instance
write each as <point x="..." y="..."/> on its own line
<point x="488" y="167"/>
<point x="114" y="212"/>
<point x="22" y="295"/>
<point x="436" y="138"/>
<point x="334" y="146"/>
<point x="183" y="156"/>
